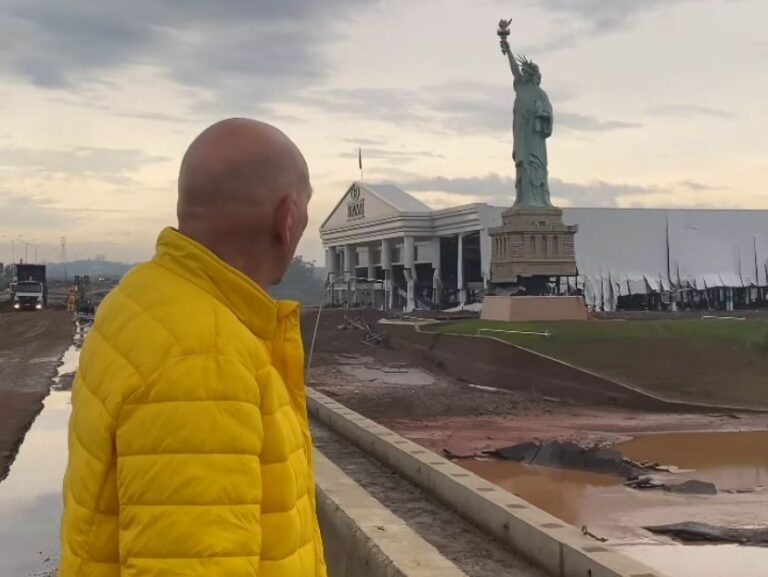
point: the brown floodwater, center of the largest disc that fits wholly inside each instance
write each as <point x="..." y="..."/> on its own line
<point x="733" y="461"/>
<point x="736" y="460"/>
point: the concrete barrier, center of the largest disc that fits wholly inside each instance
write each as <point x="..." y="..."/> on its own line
<point x="558" y="548"/>
<point x="364" y="539"/>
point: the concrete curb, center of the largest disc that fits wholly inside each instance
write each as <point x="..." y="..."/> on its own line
<point x="362" y="537"/>
<point x="558" y="548"/>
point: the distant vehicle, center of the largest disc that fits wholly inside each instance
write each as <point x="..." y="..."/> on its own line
<point x="30" y="291"/>
<point x="29" y="295"/>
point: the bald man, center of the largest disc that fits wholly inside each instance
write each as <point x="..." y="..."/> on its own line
<point x="189" y="446"/>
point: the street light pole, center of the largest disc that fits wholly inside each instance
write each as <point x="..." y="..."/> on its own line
<point x="13" y="252"/>
<point x="20" y="238"/>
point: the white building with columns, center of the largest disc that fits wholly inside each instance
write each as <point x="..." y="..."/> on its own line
<point x="387" y="249"/>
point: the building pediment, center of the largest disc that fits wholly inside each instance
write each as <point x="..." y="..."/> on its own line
<point x="364" y="203"/>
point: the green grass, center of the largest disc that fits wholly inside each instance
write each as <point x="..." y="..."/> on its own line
<point x="713" y="361"/>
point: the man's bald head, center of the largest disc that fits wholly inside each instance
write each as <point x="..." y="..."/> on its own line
<point x="244" y="184"/>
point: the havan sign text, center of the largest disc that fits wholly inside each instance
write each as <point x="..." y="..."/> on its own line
<point x="355" y="204"/>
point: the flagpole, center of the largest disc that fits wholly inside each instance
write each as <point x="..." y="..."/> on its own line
<point x="360" y="162"/>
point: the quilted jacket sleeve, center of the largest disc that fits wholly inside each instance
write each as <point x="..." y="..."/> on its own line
<point x="188" y="472"/>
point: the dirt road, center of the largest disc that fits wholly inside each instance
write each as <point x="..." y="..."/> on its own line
<point x="31" y="344"/>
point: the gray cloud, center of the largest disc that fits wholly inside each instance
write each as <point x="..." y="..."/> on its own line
<point x="108" y="164"/>
<point x="458" y="108"/>
<point x="371" y="141"/>
<point x="604" y="15"/>
<point x="242" y="50"/>
<point x="689" y="110"/>
<point x="580" y="20"/>
<point x="492" y="186"/>
<point x="383" y="104"/>
<point x="17" y="211"/>
<point x="22" y="210"/>
<point x="587" y="123"/>
<point x="395" y="156"/>
<point x="700" y="186"/>
<point x="500" y="190"/>
<point x="597" y="193"/>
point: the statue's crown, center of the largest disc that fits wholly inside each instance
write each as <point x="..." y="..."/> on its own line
<point x="528" y="65"/>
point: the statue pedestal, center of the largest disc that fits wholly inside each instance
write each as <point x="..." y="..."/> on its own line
<point x="525" y="309"/>
<point x="530" y="247"/>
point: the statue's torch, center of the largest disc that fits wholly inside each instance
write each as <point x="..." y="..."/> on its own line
<point x="503" y="33"/>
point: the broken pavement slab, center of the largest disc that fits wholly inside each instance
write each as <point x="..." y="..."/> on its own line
<point x="692" y="532"/>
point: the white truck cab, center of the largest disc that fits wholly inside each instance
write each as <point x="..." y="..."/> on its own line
<point x="29" y="295"/>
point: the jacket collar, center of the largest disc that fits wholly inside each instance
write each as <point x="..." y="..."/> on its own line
<point x="248" y="301"/>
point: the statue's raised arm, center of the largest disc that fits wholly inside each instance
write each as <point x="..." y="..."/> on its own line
<point x="503" y="33"/>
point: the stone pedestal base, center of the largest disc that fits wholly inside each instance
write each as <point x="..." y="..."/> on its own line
<point x="532" y="242"/>
<point x="534" y="309"/>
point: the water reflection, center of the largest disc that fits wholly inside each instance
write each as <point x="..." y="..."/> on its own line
<point x="30" y="497"/>
<point x="570" y="495"/>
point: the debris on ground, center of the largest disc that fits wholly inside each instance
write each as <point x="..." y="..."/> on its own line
<point x="585" y="531"/>
<point x="644" y="483"/>
<point x="569" y="455"/>
<point x="693" y="487"/>
<point x="691" y="532"/>
<point x="453" y="455"/>
<point x="370" y="337"/>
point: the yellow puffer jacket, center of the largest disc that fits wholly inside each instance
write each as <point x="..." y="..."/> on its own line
<point x="189" y="446"/>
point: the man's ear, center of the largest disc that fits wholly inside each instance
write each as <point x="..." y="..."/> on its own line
<point x="285" y="216"/>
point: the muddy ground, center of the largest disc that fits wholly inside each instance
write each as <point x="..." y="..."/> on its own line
<point x="31" y="344"/>
<point x="426" y="403"/>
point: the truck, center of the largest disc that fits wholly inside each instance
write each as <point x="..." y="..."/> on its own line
<point x="30" y="290"/>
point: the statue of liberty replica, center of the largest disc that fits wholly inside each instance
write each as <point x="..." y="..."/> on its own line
<point x="531" y="127"/>
<point x="533" y="250"/>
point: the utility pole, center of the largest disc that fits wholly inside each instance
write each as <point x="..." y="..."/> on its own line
<point x="64" y="256"/>
<point x="757" y="269"/>
<point x="673" y="291"/>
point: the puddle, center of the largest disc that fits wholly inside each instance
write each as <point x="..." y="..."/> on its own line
<point x="703" y="561"/>
<point x="733" y="461"/>
<point x="30" y="497"/>
<point x="576" y="497"/>
<point x="69" y="361"/>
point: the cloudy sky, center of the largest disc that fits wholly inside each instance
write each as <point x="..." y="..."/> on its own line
<point x="658" y="103"/>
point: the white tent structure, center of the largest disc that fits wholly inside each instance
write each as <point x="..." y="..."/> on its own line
<point x="663" y="251"/>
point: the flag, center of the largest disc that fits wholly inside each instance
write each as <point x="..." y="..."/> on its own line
<point x="360" y="158"/>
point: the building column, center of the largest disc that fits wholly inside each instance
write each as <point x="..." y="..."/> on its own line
<point x="460" y="273"/>
<point x="386" y="265"/>
<point x="729" y="299"/>
<point x="349" y="272"/>
<point x="437" y="281"/>
<point x="486" y="252"/>
<point x="371" y="267"/>
<point x="332" y="268"/>
<point x="409" y="269"/>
